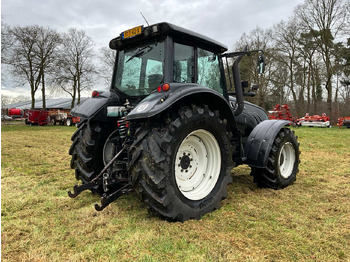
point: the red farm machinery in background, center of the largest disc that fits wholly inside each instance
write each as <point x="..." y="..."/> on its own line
<point x="314" y="121"/>
<point x="344" y="122"/>
<point x="16" y="113"/>
<point x="283" y="112"/>
<point x="37" y="117"/>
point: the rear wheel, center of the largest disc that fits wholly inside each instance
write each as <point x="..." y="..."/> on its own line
<point x="87" y="150"/>
<point x="283" y="162"/>
<point x="183" y="166"/>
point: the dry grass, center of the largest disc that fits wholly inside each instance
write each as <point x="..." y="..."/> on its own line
<point x="307" y="221"/>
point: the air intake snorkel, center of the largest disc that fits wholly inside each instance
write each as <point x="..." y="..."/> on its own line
<point x="237" y="76"/>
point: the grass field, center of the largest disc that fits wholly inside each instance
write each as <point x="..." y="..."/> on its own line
<point x="308" y="221"/>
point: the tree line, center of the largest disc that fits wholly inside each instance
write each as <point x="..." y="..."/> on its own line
<point x="308" y="59"/>
<point x="41" y="57"/>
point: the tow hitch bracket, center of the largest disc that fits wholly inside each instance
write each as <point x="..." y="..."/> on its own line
<point x="103" y="179"/>
<point x="106" y="199"/>
<point x="78" y="189"/>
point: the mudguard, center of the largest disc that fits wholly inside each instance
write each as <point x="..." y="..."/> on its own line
<point x="93" y="106"/>
<point x="159" y="101"/>
<point x="260" y="140"/>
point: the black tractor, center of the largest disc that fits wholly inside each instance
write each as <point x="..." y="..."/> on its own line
<point x="170" y="129"/>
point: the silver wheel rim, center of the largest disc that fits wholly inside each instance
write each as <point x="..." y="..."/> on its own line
<point x="68" y="122"/>
<point x="286" y="160"/>
<point x="197" y="164"/>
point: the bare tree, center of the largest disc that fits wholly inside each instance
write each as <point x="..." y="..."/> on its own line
<point x="76" y="70"/>
<point x="47" y="43"/>
<point x="7" y="41"/>
<point x="5" y="100"/>
<point x="256" y="39"/>
<point x="325" y="19"/>
<point x="23" y="57"/>
<point x="107" y="58"/>
<point x="286" y="35"/>
<point x="31" y="56"/>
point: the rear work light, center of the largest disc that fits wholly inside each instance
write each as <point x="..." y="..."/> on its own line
<point x="95" y="93"/>
<point x="164" y="87"/>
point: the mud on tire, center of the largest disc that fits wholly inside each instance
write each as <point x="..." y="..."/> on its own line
<point x="283" y="162"/>
<point x="168" y="156"/>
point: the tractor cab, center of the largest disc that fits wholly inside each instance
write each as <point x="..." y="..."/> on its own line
<point x="164" y="53"/>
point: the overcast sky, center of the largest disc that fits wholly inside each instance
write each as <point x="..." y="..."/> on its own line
<point x="102" y="20"/>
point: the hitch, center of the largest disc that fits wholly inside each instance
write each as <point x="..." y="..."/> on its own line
<point x="106" y="199"/>
<point x="78" y="189"/>
<point x="103" y="179"/>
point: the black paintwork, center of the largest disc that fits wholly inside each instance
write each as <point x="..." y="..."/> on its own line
<point x="250" y="117"/>
<point x="166" y="29"/>
<point x="158" y="102"/>
<point x="260" y="140"/>
<point x="255" y="133"/>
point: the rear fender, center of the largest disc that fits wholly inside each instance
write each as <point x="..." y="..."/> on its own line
<point x="96" y="107"/>
<point x="184" y="93"/>
<point x="260" y="140"/>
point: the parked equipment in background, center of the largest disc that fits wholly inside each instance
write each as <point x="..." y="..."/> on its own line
<point x="72" y="120"/>
<point x="344" y="122"/>
<point x="171" y="129"/>
<point x="37" y="117"/>
<point x="281" y="112"/>
<point x="58" y="117"/>
<point x="16" y="113"/>
<point x="314" y="121"/>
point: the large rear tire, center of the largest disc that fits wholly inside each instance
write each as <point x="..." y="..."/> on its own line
<point x="283" y="162"/>
<point x="183" y="163"/>
<point x="87" y="150"/>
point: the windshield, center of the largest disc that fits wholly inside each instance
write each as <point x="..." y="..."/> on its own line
<point x="140" y="70"/>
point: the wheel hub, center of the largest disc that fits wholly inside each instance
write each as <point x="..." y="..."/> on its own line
<point x="185" y="161"/>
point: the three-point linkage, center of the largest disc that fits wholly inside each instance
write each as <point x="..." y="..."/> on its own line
<point x="102" y="179"/>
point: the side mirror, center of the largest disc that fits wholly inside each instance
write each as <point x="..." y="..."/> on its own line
<point x="255" y="87"/>
<point x="261" y="64"/>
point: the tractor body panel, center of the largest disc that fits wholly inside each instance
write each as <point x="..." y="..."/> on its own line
<point x="96" y="107"/>
<point x="187" y="93"/>
<point x="250" y="117"/>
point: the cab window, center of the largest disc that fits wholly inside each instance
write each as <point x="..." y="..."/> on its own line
<point x="183" y="63"/>
<point x="209" y="70"/>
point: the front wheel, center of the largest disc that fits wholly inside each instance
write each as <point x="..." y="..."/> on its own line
<point x="184" y="164"/>
<point x="283" y="162"/>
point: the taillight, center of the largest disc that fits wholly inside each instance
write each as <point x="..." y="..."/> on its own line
<point x="164" y="87"/>
<point x="95" y="93"/>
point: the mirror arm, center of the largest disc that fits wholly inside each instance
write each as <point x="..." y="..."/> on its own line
<point x="238" y="86"/>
